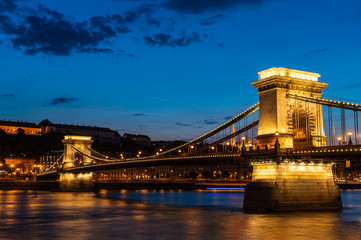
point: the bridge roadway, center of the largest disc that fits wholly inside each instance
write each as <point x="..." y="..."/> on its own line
<point x="324" y="154"/>
<point x="164" y="161"/>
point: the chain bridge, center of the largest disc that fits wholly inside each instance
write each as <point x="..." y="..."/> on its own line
<point x="283" y="137"/>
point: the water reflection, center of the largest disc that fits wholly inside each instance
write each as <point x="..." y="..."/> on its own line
<point x="164" y="215"/>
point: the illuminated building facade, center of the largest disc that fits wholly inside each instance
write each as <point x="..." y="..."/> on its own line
<point x="12" y="127"/>
<point x="49" y="160"/>
<point x="97" y="133"/>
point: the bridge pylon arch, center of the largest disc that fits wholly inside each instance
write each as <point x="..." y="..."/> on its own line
<point x="277" y="111"/>
<point x="71" y="143"/>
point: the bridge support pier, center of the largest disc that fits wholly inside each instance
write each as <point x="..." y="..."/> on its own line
<point x="291" y="186"/>
<point x="80" y="182"/>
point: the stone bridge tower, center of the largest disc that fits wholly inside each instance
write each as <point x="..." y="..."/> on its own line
<point x="71" y="157"/>
<point x="299" y="123"/>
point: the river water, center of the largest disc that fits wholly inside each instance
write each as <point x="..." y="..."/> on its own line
<point x="150" y="214"/>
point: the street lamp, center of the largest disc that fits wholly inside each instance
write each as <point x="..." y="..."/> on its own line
<point x="227" y="144"/>
<point x="243" y="139"/>
<point x="190" y="149"/>
<point x="277" y="144"/>
<point x="349" y="133"/>
<point x="339" y="138"/>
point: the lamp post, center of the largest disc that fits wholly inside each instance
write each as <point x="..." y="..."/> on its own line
<point x="243" y="143"/>
<point x="339" y="140"/>
<point x="190" y="149"/>
<point x="349" y="133"/>
<point x="227" y="144"/>
<point x="277" y="144"/>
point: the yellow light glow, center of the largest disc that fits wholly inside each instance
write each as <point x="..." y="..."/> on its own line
<point x="285" y="72"/>
<point x="83" y="138"/>
<point x="339" y="138"/>
<point x="349" y="133"/>
<point x="277" y="133"/>
<point x="227" y="143"/>
<point x="243" y="138"/>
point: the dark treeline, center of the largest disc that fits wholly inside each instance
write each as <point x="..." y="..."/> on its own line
<point x="32" y="146"/>
<point x="29" y="146"/>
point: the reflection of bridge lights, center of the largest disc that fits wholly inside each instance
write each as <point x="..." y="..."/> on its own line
<point x="160" y="150"/>
<point x="179" y="151"/>
<point x="212" y="148"/>
<point x="192" y="146"/>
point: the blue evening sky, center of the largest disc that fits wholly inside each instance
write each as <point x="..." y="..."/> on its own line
<point x="171" y="69"/>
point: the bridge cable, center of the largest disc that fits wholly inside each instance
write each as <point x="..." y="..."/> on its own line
<point x="240" y="131"/>
<point x="93" y="157"/>
<point x="343" y="126"/>
<point x="102" y="155"/>
<point x="214" y="131"/>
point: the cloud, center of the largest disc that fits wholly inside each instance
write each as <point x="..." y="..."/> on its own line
<point x="7" y="95"/>
<point x="212" y="20"/>
<point x="63" y="100"/>
<point x="187" y="125"/>
<point x="210" y="121"/>
<point x="49" y="32"/>
<point x="167" y="40"/>
<point x="123" y="52"/>
<point x="316" y="51"/>
<point x="220" y="45"/>
<point x="138" y="114"/>
<point x="41" y="30"/>
<point x="60" y="37"/>
<point x="7" y="6"/>
<point x="199" y="6"/>
<point x="228" y="117"/>
<point x="96" y="50"/>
